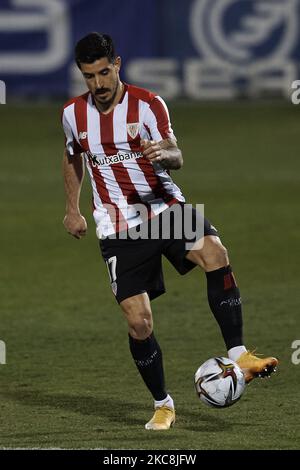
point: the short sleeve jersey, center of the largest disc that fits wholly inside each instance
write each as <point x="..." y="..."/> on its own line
<point x="122" y="179"/>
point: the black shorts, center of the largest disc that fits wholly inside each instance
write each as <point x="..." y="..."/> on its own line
<point x="135" y="265"/>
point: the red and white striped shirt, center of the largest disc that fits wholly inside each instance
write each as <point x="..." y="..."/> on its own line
<point x="122" y="178"/>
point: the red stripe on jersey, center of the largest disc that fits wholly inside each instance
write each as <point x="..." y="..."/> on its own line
<point x="81" y="123"/>
<point x="162" y="118"/>
<point x="135" y="145"/>
<point x="115" y="215"/>
<point x="120" y="171"/>
<point x="140" y="93"/>
<point x="80" y="110"/>
<point x="133" y="118"/>
<point x="148" y="130"/>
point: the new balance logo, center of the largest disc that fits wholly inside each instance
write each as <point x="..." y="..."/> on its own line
<point x="82" y="135"/>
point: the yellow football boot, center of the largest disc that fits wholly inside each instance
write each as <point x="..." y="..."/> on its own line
<point x="253" y="366"/>
<point x="163" y="418"/>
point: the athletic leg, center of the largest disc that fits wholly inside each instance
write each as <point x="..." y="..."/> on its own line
<point x="225" y="303"/>
<point x="222" y="291"/>
<point x="147" y="356"/>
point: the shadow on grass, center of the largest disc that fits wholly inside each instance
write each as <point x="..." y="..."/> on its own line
<point x="113" y="412"/>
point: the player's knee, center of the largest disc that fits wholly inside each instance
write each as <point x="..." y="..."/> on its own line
<point x="139" y="319"/>
<point x="140" y="326"/>
<point x="214" y="255"/>
<point x="217" y="257"/>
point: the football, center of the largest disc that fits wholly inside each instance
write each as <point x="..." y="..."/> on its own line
<point x="219" y="382"/>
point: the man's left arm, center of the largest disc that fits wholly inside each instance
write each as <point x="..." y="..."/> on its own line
<point x="164" y="152"/>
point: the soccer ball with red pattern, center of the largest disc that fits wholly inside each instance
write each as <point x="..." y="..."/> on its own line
<point x="219" y="382"/>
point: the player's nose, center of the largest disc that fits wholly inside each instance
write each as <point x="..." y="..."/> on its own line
<point x="98" y="82"/>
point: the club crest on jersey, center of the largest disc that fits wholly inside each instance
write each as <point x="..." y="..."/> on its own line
<point x="133" y="129"/>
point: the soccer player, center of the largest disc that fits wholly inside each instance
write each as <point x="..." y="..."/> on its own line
<point x="124" y="136"/>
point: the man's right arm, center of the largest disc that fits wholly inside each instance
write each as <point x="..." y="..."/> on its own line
<point x="73" y="172"/>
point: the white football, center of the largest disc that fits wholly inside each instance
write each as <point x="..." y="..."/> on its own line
<point x="219" y="382"/>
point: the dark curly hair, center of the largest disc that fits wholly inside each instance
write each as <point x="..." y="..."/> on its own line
<point x="94" y="46"/>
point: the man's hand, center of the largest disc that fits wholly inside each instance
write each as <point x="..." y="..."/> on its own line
<point x="153" y="151"/>
<point x="165" y="152"/>
<point x="75" y="224"/>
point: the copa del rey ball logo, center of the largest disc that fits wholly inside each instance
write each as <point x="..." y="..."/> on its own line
<point x="241" y="32"/>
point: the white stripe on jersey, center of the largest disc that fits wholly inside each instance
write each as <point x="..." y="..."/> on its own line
<point x="115" y="193"/>
<point x="101" y="216"/>
<point x="166" y="180"/>
<point x="155" y="134"/>
<point x="143" y="108"/>
<point x="93" y="127"/>
<point x="168" y="183"/>
<point x="69" y="123"/>
<point x="136" y="175"/>
<point x="68" y="134"/>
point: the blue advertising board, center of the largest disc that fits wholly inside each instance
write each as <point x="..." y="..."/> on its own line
<point x="196" y="48"/>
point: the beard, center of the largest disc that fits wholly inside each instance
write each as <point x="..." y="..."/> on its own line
<point x="103" y="101"/>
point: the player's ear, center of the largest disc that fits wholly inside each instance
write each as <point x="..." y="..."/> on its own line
<point x="117" y="63"/>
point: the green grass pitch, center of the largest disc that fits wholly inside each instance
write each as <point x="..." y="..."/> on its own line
<point x="69" y="381"/>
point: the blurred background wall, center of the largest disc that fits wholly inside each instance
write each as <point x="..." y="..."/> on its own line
<point x="197" y="49"/>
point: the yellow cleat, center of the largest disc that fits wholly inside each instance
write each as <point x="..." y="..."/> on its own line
<point x="253" y="366"/>
<point x="163" y="418"/>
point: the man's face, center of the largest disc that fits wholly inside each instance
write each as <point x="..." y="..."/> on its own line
<point x="102" y="79"/>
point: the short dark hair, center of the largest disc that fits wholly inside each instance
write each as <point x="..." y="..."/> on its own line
<point x="94" y="46"/>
